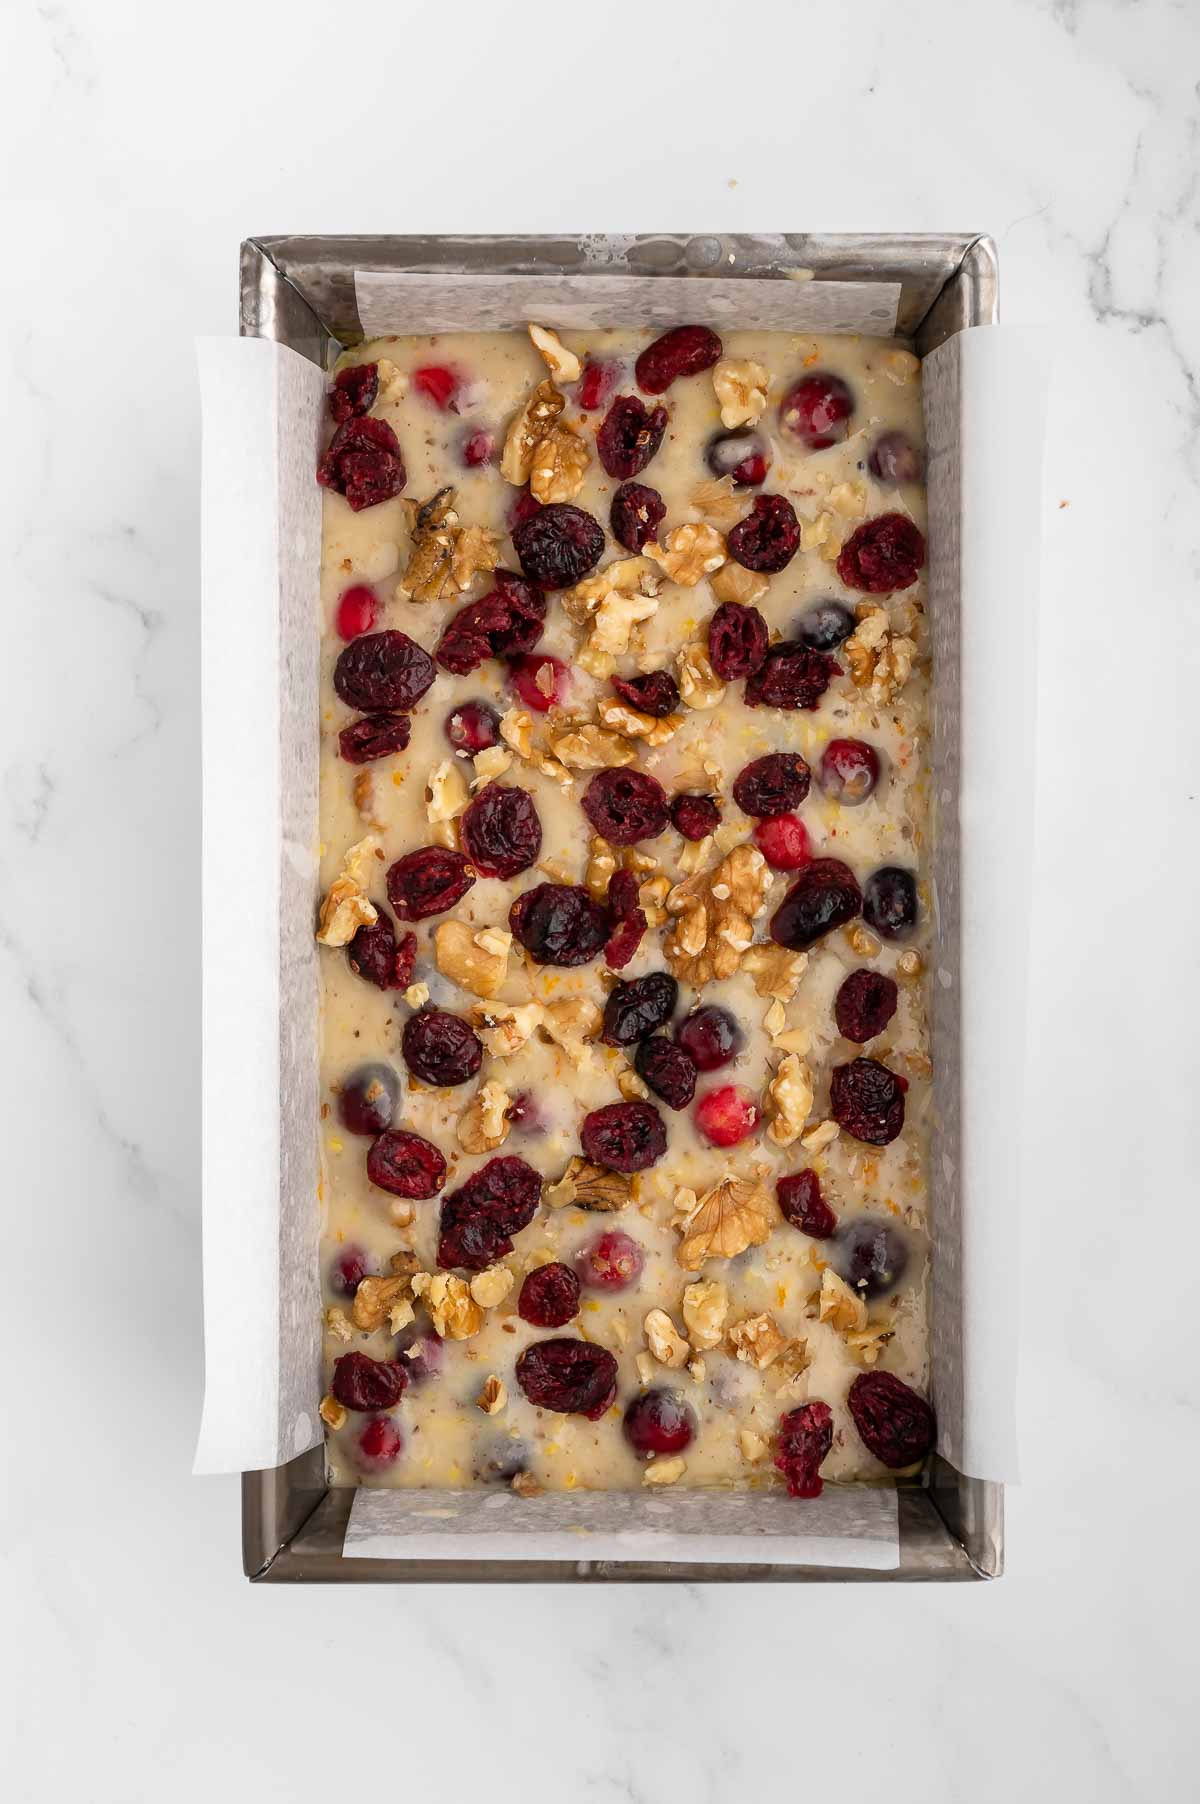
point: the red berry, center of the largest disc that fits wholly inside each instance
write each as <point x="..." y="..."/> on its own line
<point x="473" y="727"/>
<point x="727" y="1115"/>
<point x="768" y="538"/>
<point x="348" y="1270"/>
<point x="440" y="1049"/>
<point x="612" y="1261"/>
<point x="379" y="672"/>
<point x="524" y="507"/>
<point x="635" y="1009"/>
<point x="864" y="1005"/>
<point x="666" y="1068"/>
<point x="380" y="1443"/>
<point x="360" y="1382"/>
<point x="356" y="611"/>
<point x="894" y="1424"/>
<point x="805" y="1437"/>
<point x="742" y="455"/>
<point x="774" y="784"/>
<point x="437" y="383"/>
<point x="630" y="436"/>
<point x="711" y="1037"/>
<point x="627" y="920"/>
<point x="625" y="806"/>
<point x="849" y="771"/>
<point x="368" y="1099"/>
<point x="549" y="1296"/>
<point x="406" y="1164"/>
<point x="882" y="555"/>
<point x="783" y="842"/>
<point x="427" y="882"/>
<point x="801" y="1204"/>
<point x="867" y="1100"/>
<point x="574" y="1377"/>
<point x="659" y="1421"/>
<point x="541" y="682"/>
<point x="374" y="736"/>
<point x="559" y="923"/>
<point x="624" y="1136"/>
<point x="525" y="1114"/>
<point x="558" y="545"/>
<point x="354" y="392"/>
<point x="364" y="463"/>
<point x="825" y="895"/>
<point x="477" y="449"/>
<point x="695" y="816"/>
<point x="817" y="410"/>
<point x="683" y="351"/>
<point x="596" y="384"/>
<point x="894" y="458"/>
<point x="501" y="831"/>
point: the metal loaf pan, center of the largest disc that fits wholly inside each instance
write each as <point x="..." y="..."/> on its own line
<point x="301" y="292"/>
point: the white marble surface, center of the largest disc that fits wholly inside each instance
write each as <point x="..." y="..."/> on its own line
<point x="143" y="142"/>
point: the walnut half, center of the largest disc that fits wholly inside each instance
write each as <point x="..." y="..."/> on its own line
<point x="734" y="1215"/>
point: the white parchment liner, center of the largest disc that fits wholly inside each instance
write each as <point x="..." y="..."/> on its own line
<point x="262" y="406"/>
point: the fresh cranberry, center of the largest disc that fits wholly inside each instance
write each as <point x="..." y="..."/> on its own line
<point x="428" y="882"/>
<point x="683" y="351"/>
<point x="849" y="771"/>
<point x="523" y="507"/>
<point x="627" y="920"/>
<point x="473" y="727"/>
<point x="695" y="816"/>
<point x="374" y="736"/>
<point x="477" y="449"/>
<point x="738" y="638"/>
<point x="360" y="1382"/>
<point x="867" y="1100"/>
<point x="774" y="784"/>
<point x="825" y="626"/>
<point x="596" y="383"/>
<point x="574" y="1377"/>
<point x="864" y="1005"/>
<point x="368" y="1099"/>
<point x="869" y="1254"/>
<point x="817" y="410"/>
<point x="638" y="1008"/>
<point x="824" y="896"/>
<point x="354" y="392"/>
<point x="625" y="806"/>
<point x="406" y="1164"/>
<point x="440" y="1049"/>
<point x="549" y="1296"/>
<point x="890" y="901"/>
<point x="380" y="1443"/>
<point x="791" y="676"/>
<point x="893" y="1422"/>
<point x="804" y="1439"/>
<point x="438" y="384"/>
<point x="363" y="463"/>
<point x="382" y="671"/>
<point x="479" y="1219"/>
<point x="499" y="1459"/>
<point x="882" y="555"/>
<point x="625" y="1136"/>
<point x="741" y="454"/>
<point x="559" y="924"/>
<point x="506" y="622"/>
<point x="630" y="436"/>
<point x="356" y="611"/>
<point x="655" y="693"/>
<point x="636" y="514"/>
<point x="541" y="682"/>
<point x="501" y="831"/>
<point x="801" y="1204"/>
<point x="666" y="1069"/>
<point x="768" y="538"/>
<point x="727" y="1115"/>
<point x="348" y="1270"/>
<point x="659" y="1421"/>
<point x="611" y="1261"/>
<point x="558" y="545"/>
<point x="894" y="458"/>
<point x="377" y="956"/>
<point x="424" y="1355"/>
<point x="783" y="842"/>
<point x="525" y="1114"/>
<point x="710" y="1036"/>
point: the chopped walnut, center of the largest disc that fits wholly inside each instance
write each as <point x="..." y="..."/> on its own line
<point x="689" y="552"/>
<point x="733" y="582"/>
<point x="776" y="970"/>
<point x="909" y="964"/>
<point x="589" y="1187"/>
<point x="792" y="1363"/>
<point x="792" y="1094"/>
<point x="493" y="1397"/>
<point x="866" y="1344"/>
<point x="563" y="365"/>
<point x="504" y="1027"/>
<point x="483" y="1125"/>
<point x="602" y="862"/>
<point x="645" y="1368"/>
<point x="365" y="800"/>
<point x="571" y="1024"/>
<point x="559" y="465"/>
<point x="393" y="383"/>
<point x="337" y="1322"/>
<point x="476" y="959"/>
<point x="516" y="729"/>
<point x="491" y="763"/>
<point x="417" y="995"/>
<point x="631" y="1086"/>
<point x="840" y="1306"/>
<point x="347" y="908"/>
<point x="715" y="912"/>
<point x="699" y="684"/>
<point x="822" y="1134"/>
<point x="665" y="1343"/>
<point x="446" y="791"/>
<point x="374" y="1300"/>
<point x="525" y="1485"/>
<point x="862" y="942"/>
<point x="400" y="1315"/>
<point x="404" y="1264"/>
<point x="705" y="1306"/>
<point x="528" y="427"/>
<point x="734" y="1215"/>
<point x="591" y="748"/>
<point x="664" y="1471"/>
<point x="490" y="1287"/>
<point x="741" y="386"/>
<point x="433" y="529"/>
<point x="716" y="500"/>
<point x="757" y="1341"/>
<point x="331" y="1412"/>
<point x="615" y="601"/>
<point x="624" y="576"/>
<point x="900" y="366"/>
<point x="475" y="549"/>
<point x="879" y="660"/>
<point x="753" y="1446"/>
<point x="456" y="1315"/>
<point x="619" y="717"/>
<point x="849" y="499"/>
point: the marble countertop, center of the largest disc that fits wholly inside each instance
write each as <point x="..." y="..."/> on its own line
<point x="147" y="142"/>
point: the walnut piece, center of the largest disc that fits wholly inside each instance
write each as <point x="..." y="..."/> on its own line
<point x="331" y="1412"/>
<point x="757" y="1341"/>
<point x="491" y="763"/>
<point x="589" y="1187"/>
<point x="734" y="1215"/>
<point x="714" y="916"/>
<point x="822" y="1134"/>
<point x="615" y="601"/>
<point x="589" y="747"/>
<point x="631" y="1086"/>
<point x="900" y="366"/>
<point x="365" y="799"/>
<point x="631" y="723"/>
<point x="664" y="1472"/>
<point x="563" y="365"/>
<point x="490" y="1287"/>
<point x="476" y="959"/>
<point x="791" y="1092"/>
<point x="347" y="908"/>
<point x="667" y="1346"/>
<point x="776" y="971"/>
<point x="840" y="1306"/>
<point x="374" y="1300"/>
<point x="789" y="1367"/>
<point x="699" y="684"/>
<point x="505" y="1027"/>
<point x="733" y="582"/>
<point x="558" y="466"/>
<point x="689" y="552"/>
<point x="456" y="1315"/>
<point x="337" y="1323"/>
<point x="483" y="1124"/>
<point x="433" y="531"/>
<point x="475" y="549"/>
<point x="527" y="429"/>
<point x="879" y="660"/>
<point x="525" y="1485"/>
<point x="446" y="791"/>
<point x="716" y="500"/>
<point x="572" y="1024"/>
<point x="493" y="1397"/>
<point x="753" y="1446"/>
<point x="705" y="1306"/>
<point x="741" y="386"/>
<point x="516" y="729"/>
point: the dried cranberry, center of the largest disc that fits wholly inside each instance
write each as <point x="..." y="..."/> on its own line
<point x="558" y="545"/>
<point x="360" y="1382"/>
<point x="363" y="463"/>
<point x="894" y="458"/>
<point x="428" y="882"/>
<point x="437" y="383"/>
<point x="630" y="436"/>
<point x="479" y="1218"/>
<point x="625" y="806"/>
<point x="768" y="538"/>
<point x="825" y="895"/>
<point x="791" y="677"/>
<point x="507" y="621"/>
<point x="804" y="1439"/>
<point x="501" y="831"/>
<point x="882" y="555"/>
<point x="596" y="383"/>
<point x="525" y="1114"/>
<point x="893" y="1423"/>
<point x="374" y="736"/>
<point x="710" y="1036"/>
<point x="825" y="626"/>
<point x="666" y="1069"/>
<point x="355" y="391"/>
<point x="737" y="641"/>
<point x="375" y="954"/>
<point x="867" y="1100"/>
<point x="849" y="771"/>
<point x="864" y="1005"/>
<point x="541" y="682"/>
<point x="524" y="506"/>
<point x="472" y="727"/>
<point x="783" y="842"/>
<point x="683" y="351"/>
<point x="727" y="1115"/>
<point x="627" y="920"/>
<point x="636" y="514"/>
<point x="625" y="1136"/>
<point x="742" y="455"/>
<point x="638" y="1008"/>
<point x="695" y="816"/>
<point x="659" y="1421"/>
<point x="379" y="1444"/>
<point x="817" y="410"/>
<point x="870" y="1255"/>
<point x="356" y="611"/>
<point x="404" y="1164"/>
<point x="772" y="785"/>
<point x="477" y="449"/>
<point x="383" y="671"/>
<point x="559" y="924"/>
<point x="440" y="1048"/>
<point x="890" y="901"/>
<point x="549" y="1296"/>
<point x="351" y="1266"/>
<point x="801" y="1204"/>
<point x="656" y="693"/>
<point x="612" y="1261"/>
<point x="367" y="1099"/>
<point x="574" y="1377"/>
